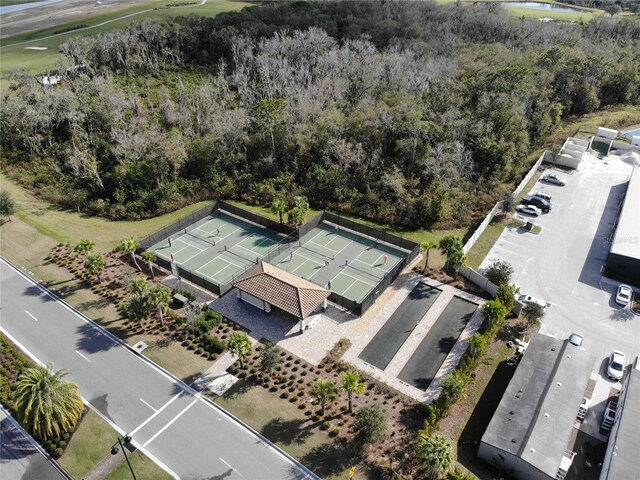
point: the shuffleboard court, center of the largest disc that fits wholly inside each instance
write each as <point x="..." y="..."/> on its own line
<point x="386" y="343"/>
<point x="428" y="357"/>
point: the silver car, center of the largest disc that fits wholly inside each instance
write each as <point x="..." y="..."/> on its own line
<point x="555" y="179"/>
<point x="615" y="368"/>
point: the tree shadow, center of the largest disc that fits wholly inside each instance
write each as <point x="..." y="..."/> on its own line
<point x="330" y="459"/>
<point x="14" y="443"/>
<point x="288" y="431"/>
<point x="93" y="340"/>
<point x="97" y="304"/>
<point x="101" y="404"/>
<point x="222" y="475"/>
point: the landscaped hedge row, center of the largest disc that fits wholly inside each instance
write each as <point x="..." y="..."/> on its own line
<point x="12" y="363"/>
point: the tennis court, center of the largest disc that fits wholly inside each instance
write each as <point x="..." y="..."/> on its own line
<point x="218" y="247"/>
<point x="345" y="262"/>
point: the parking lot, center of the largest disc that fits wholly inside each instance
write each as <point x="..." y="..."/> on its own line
<point x="562" y="264"/>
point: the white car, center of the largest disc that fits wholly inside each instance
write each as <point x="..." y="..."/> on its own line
<point x="530" y="299"/>
<point x="623" y="295"/>
<point x="616" y="365"/>
<point x="529" y="210"/>
<point x="555" y="179"/>
<point x="542" y="195"/>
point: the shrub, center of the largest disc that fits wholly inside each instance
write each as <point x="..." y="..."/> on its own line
<point x="213" y="344"/>
<point x="270" y="357"/>
<point x="214" y="318"/>
<point x="57" y="453"/>
<point x="325" y="425"/>
<point x="370" y="425"/>
<point x="499" y="272"/>
<point x="533" y="313"/>
<point x="284" y="395"/>
<point x="334" y="433"/>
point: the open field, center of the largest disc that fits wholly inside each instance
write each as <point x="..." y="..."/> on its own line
<point x="14" y="54"/>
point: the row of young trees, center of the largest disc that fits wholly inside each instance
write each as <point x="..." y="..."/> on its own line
<point x="410" y="113"/>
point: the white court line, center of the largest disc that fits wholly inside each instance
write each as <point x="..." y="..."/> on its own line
<point x="170" y="423"/>
<point x="253" y="252"/>
<point x="157" y="412"/>
<point x="31" y="315"/>
<point x="230" y="466"/>
<point x="312" y="238"/>
<point x="83" y="356"/>
<point x="359" y="279"/>
<point x="148" y="405"/>
<point x="373" y="265"/>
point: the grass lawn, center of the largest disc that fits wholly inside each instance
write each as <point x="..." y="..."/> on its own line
<point x="92" y="442"/>
<point x="14" y="54"/>
<point x="65" y="226"/>
<point x="144" y="469"/>
<point x="286" y="426"/>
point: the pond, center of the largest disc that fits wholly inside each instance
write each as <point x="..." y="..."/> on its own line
<point x="25" y="6"/>
<point x="540" y="6"/>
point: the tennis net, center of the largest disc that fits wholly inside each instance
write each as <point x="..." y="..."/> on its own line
<point x="243" y="256"/>
<point x="317" y="253"/>
<point x="366" y="272"/>
<point x="200" y="237"/>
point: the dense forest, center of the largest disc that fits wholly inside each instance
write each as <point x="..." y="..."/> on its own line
<point x="415" y="114"/>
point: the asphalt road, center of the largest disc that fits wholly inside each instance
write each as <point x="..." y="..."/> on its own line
<point x="20" y="455"/>
<point x="432" y="351"/>
<point x="386" y="343"/>
<point x="562" y="264"/>
<point x="175" y="426"/>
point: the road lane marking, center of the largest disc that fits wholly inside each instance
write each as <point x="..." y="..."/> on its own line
<point x="31" y="315"/>
<point x="83" y="356"/>
<point x="171" y="422"/>
<point x="230" y="466"/>
<point x="157" y="412"/>
<point x="148" y="405"/>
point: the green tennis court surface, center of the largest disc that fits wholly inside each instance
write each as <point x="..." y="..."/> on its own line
<point x="218" y="247"/>
<point x="347" y="263"/>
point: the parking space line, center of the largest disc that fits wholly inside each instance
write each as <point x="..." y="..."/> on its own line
<point x="31" y="315"/>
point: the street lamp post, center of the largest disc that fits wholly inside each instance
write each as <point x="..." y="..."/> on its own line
<point x="114" y="451"/>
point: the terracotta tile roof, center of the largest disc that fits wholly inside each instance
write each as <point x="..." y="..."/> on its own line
<point x="290" y="293"/>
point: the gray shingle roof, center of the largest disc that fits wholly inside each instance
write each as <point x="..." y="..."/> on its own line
<point x="283" y="290"/>
<point x="537" y="412"/>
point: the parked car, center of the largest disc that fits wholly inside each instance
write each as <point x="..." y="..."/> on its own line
<point x="536" y="201"/>
<point x="530" y="299"/>
<point x="544" y="196"/>
<point x="555" y="179"/>
<point x="575" y="339"/>
<point x="616" y="365"/>
<point x="623" y="295"/>
<point x="529" y="210"/>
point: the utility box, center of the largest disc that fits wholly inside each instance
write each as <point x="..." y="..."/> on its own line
<point x="607" y="133"/>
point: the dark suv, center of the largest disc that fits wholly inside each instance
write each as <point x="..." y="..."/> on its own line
<point x="541" y="203"/>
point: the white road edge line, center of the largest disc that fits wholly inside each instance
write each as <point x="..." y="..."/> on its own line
<point x="171" y="422"/>
<point x="83" y="356"/>
<point x="230" y="466"/>
<point x="148" y="405"/>
<point x="153" y="416"/>
<point x="237" y="422"/>
<point x="31" y="315"/>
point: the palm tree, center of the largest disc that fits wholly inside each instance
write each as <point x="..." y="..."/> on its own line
<point x="130" y="245"/>
<point x="7" y="205"/>
<point x="279" y="207"/>
<point x="149" y="257"/>
<point x="94" y="265"/>
<point x="426" y="247"/>
<point x="323" y="391"/>
<point x="139" y="286"/>
<point x="239" y="345"/>
<point x="46" y="404"/>
<point x="85" y="246"/>
<point x="434" y="453"/>
<point x="160" y="298"/>
<point x="352" y="385"/>
<point x="452" y="248"/>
